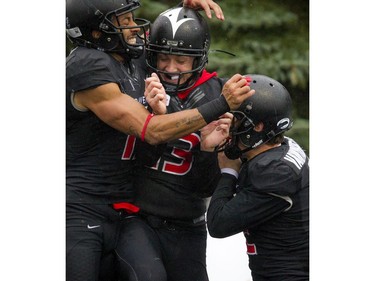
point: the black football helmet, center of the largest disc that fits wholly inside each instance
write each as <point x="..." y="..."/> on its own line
<point x="179" y="31"/>
<point x="271" y="104"/>
<point x="84" y="16"/>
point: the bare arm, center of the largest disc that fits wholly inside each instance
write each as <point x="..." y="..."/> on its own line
<point x="125" y="114"/>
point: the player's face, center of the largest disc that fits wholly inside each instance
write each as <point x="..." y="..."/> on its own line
<point x="174" y="65"/>
<point x="127" y="20"/>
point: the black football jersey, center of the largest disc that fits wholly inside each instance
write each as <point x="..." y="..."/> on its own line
<point x="99" y="159"/>
<point x="181" y="176"/>
<point x="271" y="207"/>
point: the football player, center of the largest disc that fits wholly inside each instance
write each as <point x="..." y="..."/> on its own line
<point x="264" y="187"/>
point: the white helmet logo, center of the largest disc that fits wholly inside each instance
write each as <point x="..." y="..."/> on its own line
<point x="172" y="16"/>
<point x="283" y="123"/>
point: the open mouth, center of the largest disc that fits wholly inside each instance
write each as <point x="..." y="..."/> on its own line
<point x="171" y="77"/>
<point x="131" y="40"/>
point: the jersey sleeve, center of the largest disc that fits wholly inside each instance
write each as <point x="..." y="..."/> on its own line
<point x="273" y="177"/>
<point x="88" y="70"/>
<point x="256" y="202"/>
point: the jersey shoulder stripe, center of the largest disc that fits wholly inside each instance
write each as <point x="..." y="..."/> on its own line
<point x="295" y="156"/>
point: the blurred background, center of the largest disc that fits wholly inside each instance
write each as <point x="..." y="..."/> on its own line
<point x="269" y="37"/>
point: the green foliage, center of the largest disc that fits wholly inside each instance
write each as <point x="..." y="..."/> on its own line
<point x="300" y="133"/>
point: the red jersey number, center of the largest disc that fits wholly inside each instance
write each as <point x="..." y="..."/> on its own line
<point x="128" y="153"/>
<point x="182" y="158"/>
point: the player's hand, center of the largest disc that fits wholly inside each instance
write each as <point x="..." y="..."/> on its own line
<point x="236" y="90"/>
<point x="207" y="6"/>
<point x="155" y="94"/>
<point x="216" y="133"/>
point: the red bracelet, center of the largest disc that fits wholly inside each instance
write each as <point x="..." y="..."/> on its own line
<point x="145" y="126"/>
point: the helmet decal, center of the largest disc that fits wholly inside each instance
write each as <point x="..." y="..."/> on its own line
<point x="173" y="18"/>
<point x="283" y="123"/>
<point x="74" y="32"/>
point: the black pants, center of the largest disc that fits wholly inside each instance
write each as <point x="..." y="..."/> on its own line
<point x="92" y="232"/>
<point x="152" y="249"/>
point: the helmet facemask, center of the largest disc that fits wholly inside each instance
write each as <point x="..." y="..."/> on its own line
<point x="113" y="38"/>
<point x="200" y="61"/>
<point x="241" y="131"/>
<point x="182" y="32"/>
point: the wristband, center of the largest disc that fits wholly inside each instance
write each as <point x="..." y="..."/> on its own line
<point x="214" y="109"/>
<point x="145" y="126"/>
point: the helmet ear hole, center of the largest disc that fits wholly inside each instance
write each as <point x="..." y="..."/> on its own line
<point x="259" y="127"/>
<point x="96" y="34"/>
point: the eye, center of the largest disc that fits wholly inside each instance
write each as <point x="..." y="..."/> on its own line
<point x="162" y="58"/>
<point x="181" y="61"/>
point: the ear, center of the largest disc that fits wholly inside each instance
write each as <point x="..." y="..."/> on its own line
<point x="259" y="127"/>
<point x="96" y="34"/>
